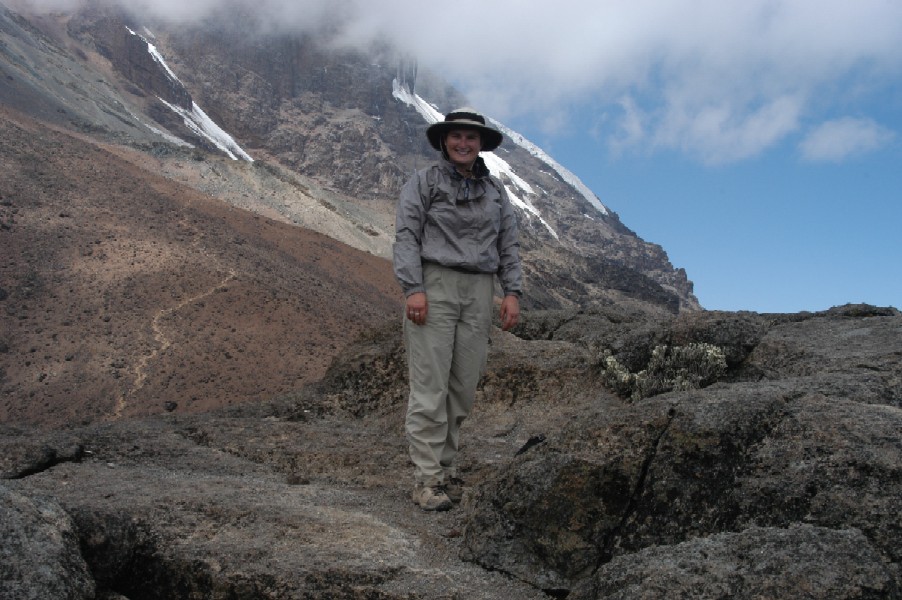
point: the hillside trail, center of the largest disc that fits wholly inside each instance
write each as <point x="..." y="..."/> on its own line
<point x="161" y="343"/>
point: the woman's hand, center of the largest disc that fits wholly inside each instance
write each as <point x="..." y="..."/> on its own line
<point x="417" y="307"/>
<point x="510" y="312"/>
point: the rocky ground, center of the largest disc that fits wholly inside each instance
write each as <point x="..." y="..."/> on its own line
<point x="781" y="480"/>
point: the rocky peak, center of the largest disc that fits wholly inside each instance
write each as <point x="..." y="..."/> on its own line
<point x="134" y="57"/>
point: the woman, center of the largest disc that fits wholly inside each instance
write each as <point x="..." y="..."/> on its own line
<point x="455" y="231"/>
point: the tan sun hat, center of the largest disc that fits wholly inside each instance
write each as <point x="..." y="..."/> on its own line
<point x="464" y="118"/>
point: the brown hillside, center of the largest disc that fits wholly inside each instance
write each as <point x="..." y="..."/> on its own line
<point x="125" y="294"/>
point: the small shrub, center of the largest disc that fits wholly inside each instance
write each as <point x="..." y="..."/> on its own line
<point x="678" y="368"/>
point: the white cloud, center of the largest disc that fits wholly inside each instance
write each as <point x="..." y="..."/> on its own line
<point x="631" y="128"/>
<point x="286" y="14"/>
<point x="44" y="5"/>
<point x="719" y="80"/>
<point x="722" y="133"/>
<point x="839" y="139"/>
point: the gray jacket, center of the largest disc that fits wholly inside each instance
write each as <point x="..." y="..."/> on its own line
<point x="467" y="224"/>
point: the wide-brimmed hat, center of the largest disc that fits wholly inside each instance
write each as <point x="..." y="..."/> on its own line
<point x="464" y="118"/>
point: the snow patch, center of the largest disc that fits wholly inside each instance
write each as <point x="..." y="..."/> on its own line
<point x="565" y="174"/>
<point x="177" y="141"/>
<point x="499" y="167"/>
<point x="530" y="210"/>
<point x="196" y="119"/>
<point x="159" y="58"/>
<point x="160" y="132"/>
<point x="429" y="112"/>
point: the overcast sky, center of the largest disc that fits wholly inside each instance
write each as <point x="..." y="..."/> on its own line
<point x="710" y="126"/>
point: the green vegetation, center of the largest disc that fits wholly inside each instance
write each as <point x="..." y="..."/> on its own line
<point x="676" y="368"/>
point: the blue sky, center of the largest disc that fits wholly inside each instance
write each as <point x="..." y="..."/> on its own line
<point x="759" y="142"/>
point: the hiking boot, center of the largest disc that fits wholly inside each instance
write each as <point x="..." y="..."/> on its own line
<point x="431" y="497"/>
<point x="454" y="488"/>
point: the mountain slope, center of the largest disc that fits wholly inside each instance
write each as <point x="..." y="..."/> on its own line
<point x="161" y="189"/>
<point x="125" y="293"/>
<point x="331" y="119"/>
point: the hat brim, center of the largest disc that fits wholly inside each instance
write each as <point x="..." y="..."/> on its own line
<point x="490" y="137"/>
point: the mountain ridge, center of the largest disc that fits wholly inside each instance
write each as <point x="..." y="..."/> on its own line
<point x="330" y="115"/>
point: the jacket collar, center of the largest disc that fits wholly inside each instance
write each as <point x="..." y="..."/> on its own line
<point x="479" y="168"/>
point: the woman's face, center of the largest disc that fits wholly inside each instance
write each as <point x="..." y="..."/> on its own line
<point x="463" y="146"/>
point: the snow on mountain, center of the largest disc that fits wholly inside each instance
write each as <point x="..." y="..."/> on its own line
<point x="565" y="174"/>
<point x="498" y="165"/>
<point x="196" y="119"/>
<point x="429" y="112"/>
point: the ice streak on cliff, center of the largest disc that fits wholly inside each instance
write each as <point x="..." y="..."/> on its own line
<point x="196" y="119"/>
<point x="564" y="173"/>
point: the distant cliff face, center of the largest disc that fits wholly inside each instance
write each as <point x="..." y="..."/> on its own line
<point x="329" y="114"/>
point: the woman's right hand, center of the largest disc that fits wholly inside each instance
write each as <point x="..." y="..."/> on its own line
<point x="417" y="307"/>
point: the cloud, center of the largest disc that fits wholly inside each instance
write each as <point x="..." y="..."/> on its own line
<point x="45" y="5"/>
<point x="719" y="134"/>
<point x="299" y="15"/>
<point x="719" y="80"/>
<point x="837" y="140"/>
<point x="631" y="128"/>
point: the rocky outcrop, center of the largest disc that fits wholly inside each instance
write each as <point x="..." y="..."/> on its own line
<point x="781" y="480"/>
<point x="760" y="562"/>
<point x="814" y="442"/>
<point x="129" y="52"/>
<point x="39" y="555"/>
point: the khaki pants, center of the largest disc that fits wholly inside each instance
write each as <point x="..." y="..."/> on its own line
<point x="445" y="358"/>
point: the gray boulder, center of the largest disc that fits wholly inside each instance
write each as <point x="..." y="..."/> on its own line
<point x="39" y="555"/>
<point x="797" y="562"/>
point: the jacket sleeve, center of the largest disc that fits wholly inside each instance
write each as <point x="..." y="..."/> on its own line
<point x="409" y="223"/>
<point x="510" y="273"/>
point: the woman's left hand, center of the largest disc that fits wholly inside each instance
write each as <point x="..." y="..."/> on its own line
<point x="417" y="308"/>
<point x="510" y="312"/>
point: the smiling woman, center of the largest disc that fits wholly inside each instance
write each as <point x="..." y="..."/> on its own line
<point x="462" y="147"/>
<point x="455" y="231"/>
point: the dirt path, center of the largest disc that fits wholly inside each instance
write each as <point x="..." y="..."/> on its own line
<point x="162" y="343"/>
